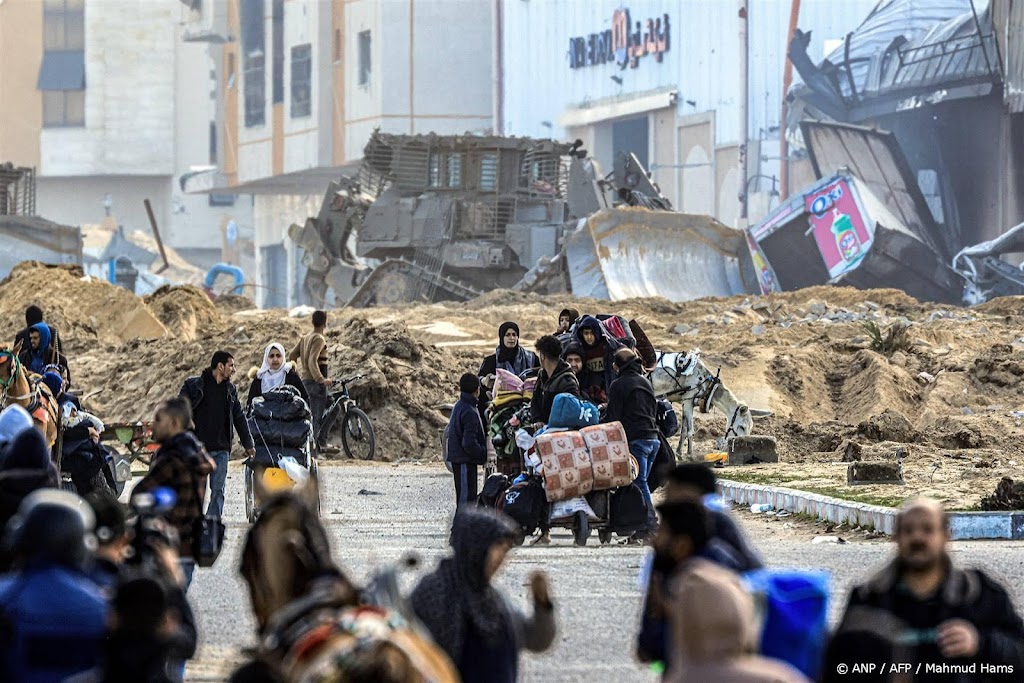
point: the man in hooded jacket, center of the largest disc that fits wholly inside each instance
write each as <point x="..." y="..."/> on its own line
<point x="39" y="353"/>
<point x="477" y="627"/>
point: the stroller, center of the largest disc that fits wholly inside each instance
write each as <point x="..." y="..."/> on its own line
<point x="282" y="428"/>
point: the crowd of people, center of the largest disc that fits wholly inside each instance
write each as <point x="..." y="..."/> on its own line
<point x="93" y="591"/>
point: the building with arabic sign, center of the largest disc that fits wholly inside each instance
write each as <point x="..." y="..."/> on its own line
<point x="663" y="79"/>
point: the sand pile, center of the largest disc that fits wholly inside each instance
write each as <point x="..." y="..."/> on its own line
<point x="185" y="311"/>
<point x="86" y="312"/>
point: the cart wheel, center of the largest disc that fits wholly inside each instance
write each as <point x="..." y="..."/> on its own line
<point x="250" y="495"/>
<point x="581" y="529"/>
<point x="605" y="536"/>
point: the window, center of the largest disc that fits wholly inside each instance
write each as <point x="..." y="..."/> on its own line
<point x="445" y="170"/>
<point x="277" y="22"/>
<point x="302" y="69"/>
<point x="64" y="25"/>
<point x="251" y="19"/>
<point x="337" y="45"/>
<point x="454" y="170"/>
<point x="364" y="58"/>
<point x="62" y="73"/>
<point x="435" y="169"/>
<point x="221" y="199"/>
<point x="63" y="108"/>
<point x="489" y="172"/>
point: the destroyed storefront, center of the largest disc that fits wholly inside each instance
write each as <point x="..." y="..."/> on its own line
<point x="928" y="72"/>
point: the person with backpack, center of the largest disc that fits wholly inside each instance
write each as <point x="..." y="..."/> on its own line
<point x="468" y="617"/>
<point x="467" y="443"/>
<point x="921" y="609"/>
<point x="711" y="632"/>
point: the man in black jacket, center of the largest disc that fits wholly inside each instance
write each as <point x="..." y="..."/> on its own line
<point x="949" y="624"/>
<point x="216" y="414"/>
<point x="556" y="377"/>
<point x="631" y="401"/>
<point x="467" y="445"/>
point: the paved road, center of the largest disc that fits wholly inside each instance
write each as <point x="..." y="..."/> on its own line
<point x="407" y="507"/>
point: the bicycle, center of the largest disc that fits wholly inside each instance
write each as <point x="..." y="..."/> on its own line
<point x="357" y="435"/>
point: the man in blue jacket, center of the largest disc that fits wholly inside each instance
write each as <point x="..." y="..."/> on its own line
<point x="467" y="447"/>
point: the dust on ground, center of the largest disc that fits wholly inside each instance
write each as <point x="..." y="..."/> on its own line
<point x="945" y="399"/>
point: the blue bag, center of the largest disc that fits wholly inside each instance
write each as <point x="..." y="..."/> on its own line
<point x="573" y="413"/>
<point x="794" y="606"/>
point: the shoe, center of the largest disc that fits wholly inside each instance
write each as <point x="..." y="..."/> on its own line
<point x="330" y="450"/>
<point x="543" y="539"/>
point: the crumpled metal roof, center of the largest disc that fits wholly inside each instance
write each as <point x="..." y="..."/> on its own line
<point x="911" y="47"/>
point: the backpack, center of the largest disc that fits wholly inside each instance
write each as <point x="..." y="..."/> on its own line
<point x="494" y="486"/>
<point x="568" y="411"/>
<point x="627" y="510"/>
<point x="664" y="461"/>
<point x="794" y="606"/>
<point x="525" y="503"/>
<point x="666" y="417"/>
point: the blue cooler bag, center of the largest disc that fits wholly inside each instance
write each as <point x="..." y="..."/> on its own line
<point x="794" y="607"/>
<point x="573" y="413"/>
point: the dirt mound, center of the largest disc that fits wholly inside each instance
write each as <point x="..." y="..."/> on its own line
<point x="232" y="303"/>
<point x="87" y="311"/>
<point x="1011" y="306"/>
<point x="185" y="311"/>
<point x="1000" y="365"/>
<point x="888" y="426"/>
<point x="1009" y="495"/>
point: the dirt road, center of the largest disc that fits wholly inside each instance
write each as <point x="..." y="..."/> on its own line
<point x="407" y="507"/>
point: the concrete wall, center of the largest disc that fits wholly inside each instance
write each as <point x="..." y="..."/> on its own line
<point x="129" y="95"/>
<point x="21" y="105"/>
<point x="272" y="215"/>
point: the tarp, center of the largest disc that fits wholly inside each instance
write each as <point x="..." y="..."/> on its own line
<point x="624" y="253"/>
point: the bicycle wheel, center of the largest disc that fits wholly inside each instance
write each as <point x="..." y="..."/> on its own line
<point x="357" y="435"/>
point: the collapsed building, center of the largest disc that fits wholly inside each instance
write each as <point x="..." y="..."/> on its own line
<point x="916" y="117"/>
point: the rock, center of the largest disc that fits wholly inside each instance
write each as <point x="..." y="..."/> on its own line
<point x="874" y="473"/>
<point x="682" y="328"/>
<point x="749" y="450"/>
<point x="899" y="359"/>
<point x="818" y="308"/>
<point x="851" y="451"/>
<point x="758" y="330"/>
<point x="760" y="306"/>
<point x="925" y="378"/>
<point x="871" y="305"/>
<point x="889" y="426"/>
<point x="966" y="411"/>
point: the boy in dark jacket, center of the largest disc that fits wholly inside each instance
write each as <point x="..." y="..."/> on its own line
<point x="957" y="625"/>
<point x="556" y="377"/>
<point x="598" y="351"/>
<point x="467" y="445"/>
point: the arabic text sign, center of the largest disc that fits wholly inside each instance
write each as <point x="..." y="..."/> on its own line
<point x="625" y="43"/>
<point x="839" y="227"/>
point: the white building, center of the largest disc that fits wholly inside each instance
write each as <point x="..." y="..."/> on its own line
<point x="302" y="84"/>
<point x="110" y="107"/>
<point x="663" y="79"/>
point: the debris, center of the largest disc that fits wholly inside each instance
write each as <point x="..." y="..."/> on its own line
<point x="367" y="492"/>
<point x="851" y="451"/>
<point x="758" y="330"/>
<point x="818" y="540"/>
<point x="1009" y="495"/>
<point x="748" y="450"/>
<point x="925" y="378"/>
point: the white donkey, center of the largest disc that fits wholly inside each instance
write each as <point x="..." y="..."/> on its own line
<point x="683" y="377"/>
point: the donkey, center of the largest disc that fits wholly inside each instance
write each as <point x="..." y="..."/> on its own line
<point x="313" y="624"/>
<point x="18" y="387"/>
<point x="683" y="377"/>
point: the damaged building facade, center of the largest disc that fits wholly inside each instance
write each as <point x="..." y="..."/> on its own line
<point x="917" y="115"/>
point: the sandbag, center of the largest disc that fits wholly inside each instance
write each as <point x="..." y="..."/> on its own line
<point x="794" y="604"/>
<point x="609" y="455"/>
<point x="283" y="403"/>
<point x="565" y="461"/>
<point x="569" y="411"/>
<point x="279" y="433"/>
<point x="524" y="504"/>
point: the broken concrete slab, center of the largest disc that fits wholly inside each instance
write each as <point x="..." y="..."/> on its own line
<point x="851" y="450"/>
<point x="750" y="450"/>
<point x="882" y="472"/>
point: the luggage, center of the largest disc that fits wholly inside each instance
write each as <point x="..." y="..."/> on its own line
<point x="564" y="509"/>
<point x="283" y="403"/>
<point x="598" y="501"/>
<point x="572" y="412"/>
<point x="506" y="381"/>
<point x="277" y="434"/>
<point x="627" y="510"/>
<point x="666" y="418"/>
<point x="568" y="472"/>
<point x="664" y="461"/>
<point x="524" y="504"/>
<point x="494" y="486"/>
<point x="795" y="615"/>
<point x="609" y="455"/>
<point x="271" y="456"/>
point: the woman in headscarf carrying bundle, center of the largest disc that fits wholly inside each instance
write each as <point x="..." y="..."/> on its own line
<point x="273" y="373"/>
<point x="470" y="619"/>
<point x="508" y="356"/>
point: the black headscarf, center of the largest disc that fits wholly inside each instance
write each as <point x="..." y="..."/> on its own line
<point x="457" y="591"/>
<point x="505" y="354"/>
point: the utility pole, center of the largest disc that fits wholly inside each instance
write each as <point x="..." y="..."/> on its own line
<point x="744" y="86"/>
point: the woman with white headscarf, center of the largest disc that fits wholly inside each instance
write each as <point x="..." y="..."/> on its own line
<point x="273" y="373"/>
